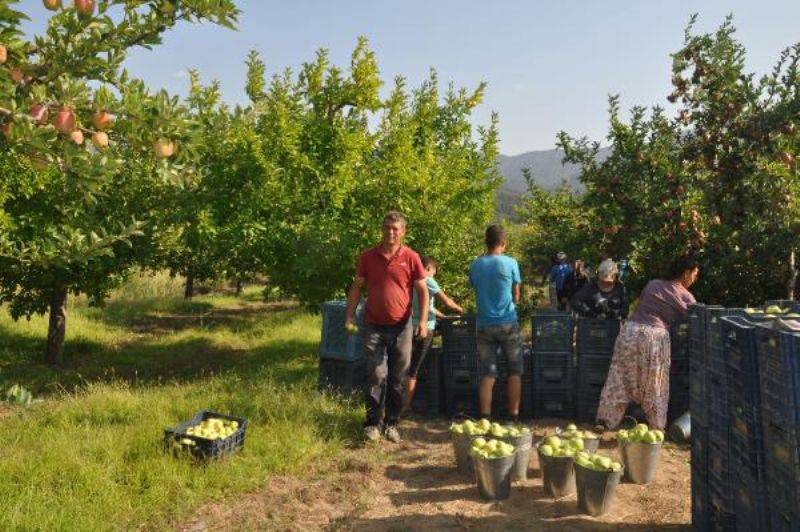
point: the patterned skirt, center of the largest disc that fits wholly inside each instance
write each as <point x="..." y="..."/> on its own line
<point x="639" y="373"/>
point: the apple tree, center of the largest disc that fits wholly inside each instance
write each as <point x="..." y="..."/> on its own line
<point x="89" y="150"/>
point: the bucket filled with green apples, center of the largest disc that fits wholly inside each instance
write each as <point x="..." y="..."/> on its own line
<point x="521" y="438"/>
<point x="596" y="479"/>
<point x="493" y="461"/>
<point x="591" y="440"/>
<point x="639" y="448"/>
<point x="556" y="460"/>
<point x="462" y="434"/>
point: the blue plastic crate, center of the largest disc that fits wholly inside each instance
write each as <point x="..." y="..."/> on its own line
<point x="559" y="404"/>
<point x="335" y="343"/>
<point x="342" y="376"/>
<point x="553" y="331"/>
<point x="596" y="336"/>
<point x="777" y="362"/>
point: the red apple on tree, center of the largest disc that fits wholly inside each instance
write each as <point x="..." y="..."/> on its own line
<point x="7" y="129"/>
<point x="65" y="120"/>
<point x="40" y="113"/>
<point x="100" y="139"/>
<point x="76" y="137"/>
<point x="17" y="75"/>
<point x="164" y="148"/>
<point x="52" y="5"/>
<point x="3" y="54"/>
<point x="85" y="7"/>
<point x="787" y="158"/>
<point x="682" y="227"/>
<point x="103" y="120"/>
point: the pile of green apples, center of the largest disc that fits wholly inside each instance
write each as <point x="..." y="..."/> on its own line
<point x="472" y="428"/>
<point x="641" y="433"/>
<point x="213" y="429"/>
<point x="597" y="462"/>
<point x="491" y="449"/>
<point x="571" y="431"/>
<point x="561" y="447"/>
<point x="510" y="431"/>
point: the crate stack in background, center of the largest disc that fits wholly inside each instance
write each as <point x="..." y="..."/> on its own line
<point x="429" y="396"/>
<point x="750" y="503"/>
<point x="779" y="374"/>
<point x="460" y="366"/>
<point x="341" y="359"/>
<point x="698" y="406"/>
<point x="553" y="364"/>
<point x="500" y="390"/>
<point x="594" y="341"/>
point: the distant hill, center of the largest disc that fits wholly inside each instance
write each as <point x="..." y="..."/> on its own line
<point x="547" y="171"/>
<point x="546" y="167"/>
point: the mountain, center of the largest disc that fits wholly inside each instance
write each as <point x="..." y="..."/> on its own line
<point x="546" y="167"/>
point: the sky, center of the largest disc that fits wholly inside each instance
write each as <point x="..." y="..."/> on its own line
<point x="549" y="65"/>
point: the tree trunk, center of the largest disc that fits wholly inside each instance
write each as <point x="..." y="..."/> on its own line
<point x="188" y="293"/>
<point x="238" y="287"/>
<point x="792" y="284"/>
<point x="57" y="328"/>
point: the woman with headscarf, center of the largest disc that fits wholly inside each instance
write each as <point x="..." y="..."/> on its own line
<point x="639" y="370"/>
<point x="604" y="297"/>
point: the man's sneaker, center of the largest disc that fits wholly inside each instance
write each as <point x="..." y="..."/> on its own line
<point x="372" y="433"/>
<point x="392" y="434"/>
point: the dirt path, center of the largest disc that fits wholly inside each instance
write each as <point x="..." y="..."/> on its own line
<point x="415" y="486"/>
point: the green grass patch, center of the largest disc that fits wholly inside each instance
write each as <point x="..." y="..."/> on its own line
<point x="90" y="455"/>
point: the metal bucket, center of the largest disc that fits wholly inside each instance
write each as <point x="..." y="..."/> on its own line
<point x="558" y="475"/>
<point x="494" y="476"/>
<point x="596" y="489"/>
<point x="461" y="446"/>
<point x="681" y="429"/>
<point x="640" y="460"/>
<point x="591" y="445"/>
<point x="522" y="444"/>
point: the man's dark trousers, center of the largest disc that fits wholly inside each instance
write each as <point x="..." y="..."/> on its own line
<point x="387" y="349"/>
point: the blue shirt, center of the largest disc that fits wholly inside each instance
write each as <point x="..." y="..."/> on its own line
<point x="558" y="273"/>
<point x="433" y="289"/>
<point x="492" y="277"/>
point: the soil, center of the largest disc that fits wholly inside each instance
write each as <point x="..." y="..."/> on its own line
<point x="415" y="486"/>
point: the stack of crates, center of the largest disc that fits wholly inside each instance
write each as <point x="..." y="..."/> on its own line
<point x="500" y="391"/>
<point x="428" y="398"/>
<point x="679" y="371"/>
<point x="779" y="375"/>
<point x="342" y="368"/>
<point x="553" y="365"/>
<point x="595" y="340"/>
<point x="720" y="481"/>
<point x="698" y="406"/>
<point x="750" y="503"/>
<point x="460" y="366"/>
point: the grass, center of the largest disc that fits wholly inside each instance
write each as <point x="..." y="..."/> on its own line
<point x="143" y="363"/>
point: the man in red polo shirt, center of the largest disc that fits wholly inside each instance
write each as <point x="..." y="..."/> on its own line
<point x="390" y="271"/>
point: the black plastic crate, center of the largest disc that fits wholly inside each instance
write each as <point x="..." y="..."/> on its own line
<point x="716" y="364"/>
<point x="586" y="408"/>
<point x="458" y="334"/>
<point x="341" y="376"/>
<point x="783" y="303"/>
<point x="558" y="404"/>
<point x="750" y="503"/>
<point x="717" y="397"/>
<point x="782" y="453"/>
<point x="552" y="331"/>
<point x="596" y="336"/>
<point x="553" y="377"/>
<point x="695" y="318"/>
<point x="428" y="398"/>
<point x="747" y="439"/>
<point x="204" y="448"/>
<point x="777" y="362"/>
<point x="698" y="401"/>
<point x="701" y="511"/>
<point x="679" y="340"/>
<point x="592" y="374"/>
<point x="713" y="325"/>
<point x="462" y="403"/>
<point x="460" y="369"/>
<point x="700" y="452"/>
<point x="741" y="358"/>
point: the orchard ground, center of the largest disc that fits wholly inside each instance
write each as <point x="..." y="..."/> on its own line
<point x="150" y="359"/>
